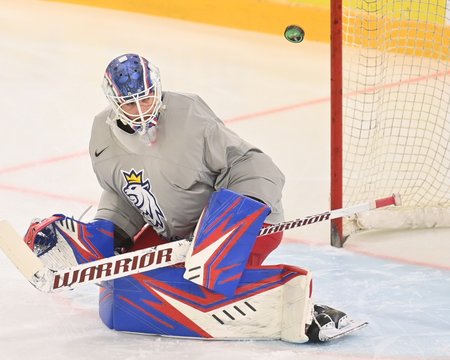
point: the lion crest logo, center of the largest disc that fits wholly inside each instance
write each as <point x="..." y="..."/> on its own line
<point x="138" y="191"/>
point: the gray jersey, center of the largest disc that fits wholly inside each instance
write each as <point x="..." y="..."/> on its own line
<point x="168" y="183"/>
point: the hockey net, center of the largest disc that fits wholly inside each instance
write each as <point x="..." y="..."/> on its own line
<point x="395" y="111"/>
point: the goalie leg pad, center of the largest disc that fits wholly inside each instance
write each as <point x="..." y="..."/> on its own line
<point x="223" y="240"/>
<point x="271" y="302"/>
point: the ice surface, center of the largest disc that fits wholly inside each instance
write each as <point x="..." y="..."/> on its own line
<point x="273" y="93"/>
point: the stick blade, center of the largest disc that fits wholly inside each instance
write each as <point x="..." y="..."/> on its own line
<point x="18" y="252"/>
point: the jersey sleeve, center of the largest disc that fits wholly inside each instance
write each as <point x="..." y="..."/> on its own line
<point x="119" y="212"/>
<point x="244" y="168"/>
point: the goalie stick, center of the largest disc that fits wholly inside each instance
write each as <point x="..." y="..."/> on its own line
<point x="48" y="280"/>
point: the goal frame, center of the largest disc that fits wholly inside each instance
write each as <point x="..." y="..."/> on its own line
<point x="336" y="134"/>
<point x="392" y="39"/>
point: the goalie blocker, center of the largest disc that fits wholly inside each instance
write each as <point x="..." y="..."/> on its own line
<point x="226" y="299"/>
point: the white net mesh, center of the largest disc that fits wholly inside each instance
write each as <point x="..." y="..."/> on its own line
<point x="396" y="110"/>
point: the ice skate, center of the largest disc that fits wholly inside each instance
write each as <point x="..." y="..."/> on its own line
<point x="329" y="324"/>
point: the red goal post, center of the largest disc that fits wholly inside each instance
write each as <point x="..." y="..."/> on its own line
<point x="390" y="112"/>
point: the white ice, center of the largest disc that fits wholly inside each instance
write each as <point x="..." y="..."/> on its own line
<point x="273" y="93"/>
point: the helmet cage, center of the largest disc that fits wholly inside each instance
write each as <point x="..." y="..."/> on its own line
<point x="143" y="119"/>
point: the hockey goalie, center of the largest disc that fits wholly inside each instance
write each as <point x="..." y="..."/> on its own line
<point x="216" y="294"/>
<point x="169" y="169"/>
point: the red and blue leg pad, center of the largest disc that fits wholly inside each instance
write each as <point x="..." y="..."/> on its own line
<point x="162" y="302"/>
<point x="223" y="240"/>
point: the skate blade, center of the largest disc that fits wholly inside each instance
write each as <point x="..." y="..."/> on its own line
<point x="328" y="334"/>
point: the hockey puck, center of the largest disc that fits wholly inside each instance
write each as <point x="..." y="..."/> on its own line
<point x="294" y="33"/>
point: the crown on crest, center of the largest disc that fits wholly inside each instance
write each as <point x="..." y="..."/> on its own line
<point x="133" y="177"/>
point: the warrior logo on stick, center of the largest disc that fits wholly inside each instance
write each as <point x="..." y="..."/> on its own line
<point x="138" y="191"/>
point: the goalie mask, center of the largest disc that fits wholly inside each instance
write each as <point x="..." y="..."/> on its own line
<point x="133" y="87"/>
